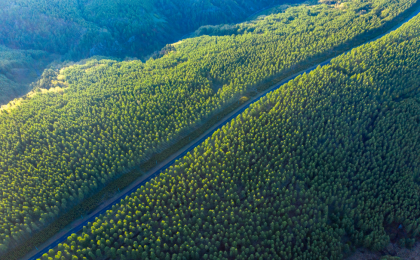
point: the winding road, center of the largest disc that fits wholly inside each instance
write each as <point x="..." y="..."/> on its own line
<point x="78" y="224"/>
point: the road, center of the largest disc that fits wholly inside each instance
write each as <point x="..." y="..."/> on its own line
<point x="78" y="224"/>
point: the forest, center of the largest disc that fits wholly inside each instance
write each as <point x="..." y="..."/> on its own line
<point x="62" y="30"/>
<point x="94" y="120"/>
<point x="82" y="28"/>
<point x="315" y="169"/>
<point x="18" y="69"/>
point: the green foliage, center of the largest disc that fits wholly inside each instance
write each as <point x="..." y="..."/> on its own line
<point x="78" y="29"/>
<point x="390" y="258"/>
<point x="331" y="155"/>
<point x="18" y="68"/>
<point x="60" y="147"/>
<point x="82" y="28"/>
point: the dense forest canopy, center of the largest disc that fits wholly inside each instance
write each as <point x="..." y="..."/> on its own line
<point x="82" y="28"/>
<point x="76" y="29"/>
<point x="18" y="69"/>
<point x="323" y="165"/>
<point x="92" y="121"/>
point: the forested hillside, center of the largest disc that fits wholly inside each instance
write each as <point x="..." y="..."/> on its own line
<point x="77" y="29"/>
<point x="63" y="144"/>
<point x="323" y="165"/>
<point x="84" y="28"/>
<point x="19" y="68"/>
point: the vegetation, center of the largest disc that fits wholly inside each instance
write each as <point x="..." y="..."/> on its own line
<point x="84" y="28"/>
<point x="18" y="69"/>
<point x="90" y="204"/>
<point x="32" y="30"/>
<point x="314" y="169"/>
<point x="104" y="117"/>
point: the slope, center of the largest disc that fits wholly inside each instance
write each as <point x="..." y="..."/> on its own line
<point x="113" y="28"/>
<point x="73" y="30"/>
<point x="323" y="165"/>
<point x="18" y="69"/>
<point x="68" y="144"/>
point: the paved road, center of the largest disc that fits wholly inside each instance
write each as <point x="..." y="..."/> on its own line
<point x="78" y="224"/>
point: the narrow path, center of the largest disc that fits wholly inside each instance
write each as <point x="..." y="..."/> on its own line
<point x="78" y="224"/>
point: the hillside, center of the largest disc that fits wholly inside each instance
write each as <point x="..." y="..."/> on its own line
<point x="78" y="29"/>
<point x="315" y="169"/>
<point x="18" y="69"/>
<point x="99" y="119"/>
